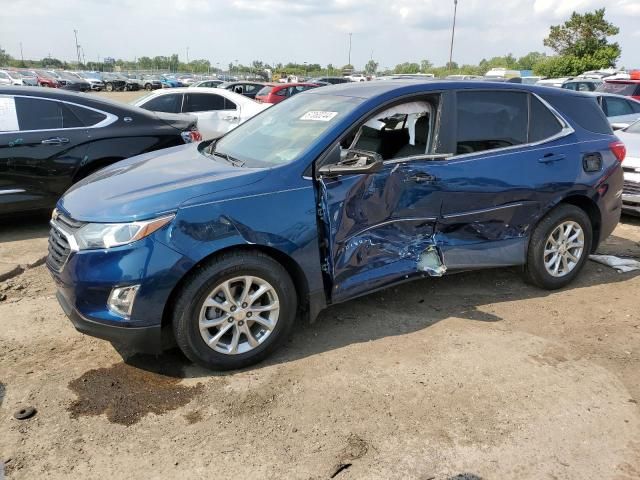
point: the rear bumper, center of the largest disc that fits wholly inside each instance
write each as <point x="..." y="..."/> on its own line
<point x="140" y="339"/>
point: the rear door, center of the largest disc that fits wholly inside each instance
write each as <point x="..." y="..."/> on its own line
<point x="512" y="156"/>
<point x="216" y="114"/>
<point x="41" y="146"/>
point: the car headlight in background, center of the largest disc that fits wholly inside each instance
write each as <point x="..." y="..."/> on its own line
<point x="107" y="235"/>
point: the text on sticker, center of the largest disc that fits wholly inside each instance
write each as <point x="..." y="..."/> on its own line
<point x="318" y="116"/>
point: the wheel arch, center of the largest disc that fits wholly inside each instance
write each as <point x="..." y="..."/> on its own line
<point x="290" y="265"/>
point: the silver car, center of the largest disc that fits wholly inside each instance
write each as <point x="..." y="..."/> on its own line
<point x="621" y="111"/>
<point x="631" y="167"/>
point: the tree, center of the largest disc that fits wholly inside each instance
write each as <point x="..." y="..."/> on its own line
<point x="371" y="67"/>
<point x="582" y="34"/>
<point x="426" y="66"/>
<point x="530" y="60"/>
<point x="5" y="58"/>
<point x="407" y="67"/>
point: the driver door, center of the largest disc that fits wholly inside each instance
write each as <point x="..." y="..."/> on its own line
<point x="380" y="227"/>
<point x="216" y="115"/>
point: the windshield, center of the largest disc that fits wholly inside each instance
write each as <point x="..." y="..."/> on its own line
<point x="282" y="132"/>
<point x="633" y="128"/>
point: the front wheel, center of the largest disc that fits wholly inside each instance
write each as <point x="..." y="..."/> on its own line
<point x="234" y="311"/>
<point x="559" y="247"/>
<point x="109" y="87"/>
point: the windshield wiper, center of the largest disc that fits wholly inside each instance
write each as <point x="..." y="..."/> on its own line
<point x="233" y="161"/>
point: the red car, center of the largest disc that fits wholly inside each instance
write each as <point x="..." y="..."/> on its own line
<point x="277" y="92"/>
<point x="628" y="88"/>
<point x="45" y="80"/>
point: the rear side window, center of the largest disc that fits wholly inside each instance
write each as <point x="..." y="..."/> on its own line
<point x="203" y="102"/>
<point x="626" y="89"/>
<point x="38" y="114"/>
<point x="282" y="92"/>
<point x="582" y="110"/>
<point x="164" y="103"/>
<point x="490" y="120"/>
<point x="542" y="123"/>
<point x="87" y="117"/>
<point x="264" y="92"/>
<point x="8" y="114"/>
<point x="615" y="107"/>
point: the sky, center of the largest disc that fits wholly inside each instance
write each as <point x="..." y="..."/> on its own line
<point x="313" y="31"/>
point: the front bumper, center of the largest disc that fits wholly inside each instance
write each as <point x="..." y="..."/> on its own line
<point x="140" y="339"/>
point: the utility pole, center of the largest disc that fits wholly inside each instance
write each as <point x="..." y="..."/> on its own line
<point x="75" y="32"/>
<point x="21" y="55"/>
<point x="453" y="31"/>
<point x="187" y="54"/>
<point x="350" y="34"/>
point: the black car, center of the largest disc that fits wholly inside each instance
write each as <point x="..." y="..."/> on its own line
<point x="50" y="139"/>
<point x="248" y="89"/>
<point x="113" y="83"/>
<point x="72" y="82"/>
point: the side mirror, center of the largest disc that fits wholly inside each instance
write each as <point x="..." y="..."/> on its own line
<point x="357" y="162"/>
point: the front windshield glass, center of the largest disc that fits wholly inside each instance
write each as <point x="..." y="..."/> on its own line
<point x="633" y="128"/>
<point x="282" y="132"/>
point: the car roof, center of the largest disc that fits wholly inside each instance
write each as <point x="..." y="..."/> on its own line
<point x="373" y="89"/>
<point x="606" y="94"/>
<point x="233" y="96"/>
<point x="622" y="80"/>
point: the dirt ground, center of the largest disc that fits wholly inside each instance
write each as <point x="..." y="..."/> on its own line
<point x="473" y="376"/>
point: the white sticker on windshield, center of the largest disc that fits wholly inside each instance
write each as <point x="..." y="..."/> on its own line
<point x="8" y="115"/>
<point x="319" y="116"/>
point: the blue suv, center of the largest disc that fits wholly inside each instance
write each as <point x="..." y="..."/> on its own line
<point x="337" y="192"/>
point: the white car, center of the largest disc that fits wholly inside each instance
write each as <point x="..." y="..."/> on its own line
<point x="630" y="136"/>
<point x="218" y="110"/>
<point x="9" y="78"/>
<point x="357" y="77"/>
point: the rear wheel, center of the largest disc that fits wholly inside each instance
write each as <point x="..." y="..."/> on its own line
<point x="234" y="311"/>
<point x="559" y="247"/>
<point x="148" y="86"/>
<point x="109" y="87"/>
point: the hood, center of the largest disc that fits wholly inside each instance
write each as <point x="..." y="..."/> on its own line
<point x="152" y="184"/>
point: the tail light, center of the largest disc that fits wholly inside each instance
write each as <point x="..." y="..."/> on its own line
<point x="191" y="136"/>
<point x="618" y="149"/>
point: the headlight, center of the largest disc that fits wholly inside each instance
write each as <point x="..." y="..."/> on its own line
<point x="107" y="235"/>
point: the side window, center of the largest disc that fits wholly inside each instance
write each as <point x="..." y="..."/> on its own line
<point x="490" y="120"/>
<point x="37" y="114"/>
<point x="250" y="88"/>
<point x="401" y="131"/>
<point x="229" y="105"/>
<point x="617" y="106"/>
<point x="171" y="103"/>
<point x="69" y="119"/>
<point x="569" y="86"/>
<point x="282" y="92"/>
<point x="264" y="92"/>
<point x="8" y="114"/>
<point x="87" y="117"/>
<point x="203" y="102"/>
<point x="542" y="123"/>
<point x="4" y="76"/>
<point x="635" y="106"/>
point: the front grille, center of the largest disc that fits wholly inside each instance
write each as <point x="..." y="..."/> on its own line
<point x="59" y="247"/>
<point x="631" y="188"/>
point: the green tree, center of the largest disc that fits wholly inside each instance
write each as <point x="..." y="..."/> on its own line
<point x="407" y="67"/>
<point x="371" y="67"/>
<point x="582" y="34"/>
<point x="581" y="44"/>
<point x="5" y="58"/>
<point x="528" y="61"/>
<point x="426" y="66"/>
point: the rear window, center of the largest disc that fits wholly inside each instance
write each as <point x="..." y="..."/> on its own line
<point x="264" y="92"/>
<point x="626" y="89"/>
<point x="582" y="110"/>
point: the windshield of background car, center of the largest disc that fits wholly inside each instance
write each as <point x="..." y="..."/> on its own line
<point x="282" y="132"/>
<point x="633" y="128"/>
<point x="626" y="89"/>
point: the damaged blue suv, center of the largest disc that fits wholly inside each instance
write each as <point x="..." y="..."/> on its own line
<point x="335" y="193"/>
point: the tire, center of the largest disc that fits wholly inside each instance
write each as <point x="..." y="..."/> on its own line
<point x="148" y="87"/>
<point x="189" y="311"/>
<point x="109" y="87"/>
<point x="564" y="218"/>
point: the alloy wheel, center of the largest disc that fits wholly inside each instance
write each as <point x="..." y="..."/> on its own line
<point x="239" y="314"/>
<point x="564" y="249"/>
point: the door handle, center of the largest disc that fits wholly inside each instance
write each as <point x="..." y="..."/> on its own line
<point x="421" y="177"/>
<point x="55" y="141"/>
<point x="552" y="157"/>
<point x="230" y="118"/>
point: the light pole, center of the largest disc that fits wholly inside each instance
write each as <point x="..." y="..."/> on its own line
<point x="21" y="54"/>
<point x="453" y="32"/>
<point x="75" y="32"/>
<point x="350" y="34"/>
<point x="305" y="70"/>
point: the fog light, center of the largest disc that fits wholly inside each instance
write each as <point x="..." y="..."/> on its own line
<point x="121" y="300"/>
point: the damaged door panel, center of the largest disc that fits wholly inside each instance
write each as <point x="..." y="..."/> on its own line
<point x="379" y="227"/>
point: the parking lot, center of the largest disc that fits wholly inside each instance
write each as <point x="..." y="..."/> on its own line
<point x="472" y="376"/>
